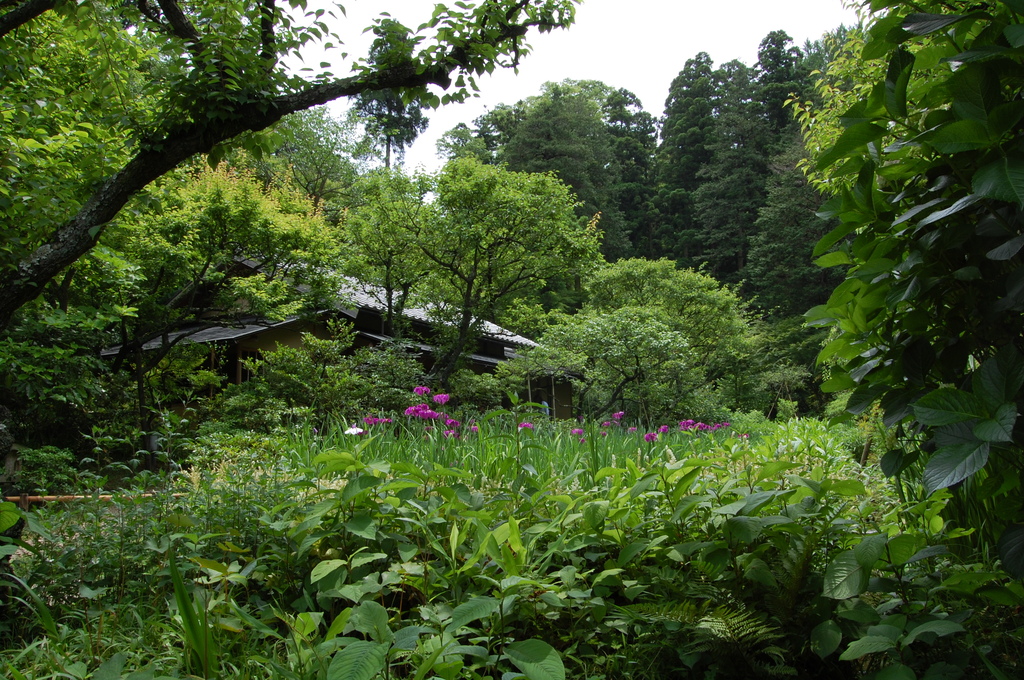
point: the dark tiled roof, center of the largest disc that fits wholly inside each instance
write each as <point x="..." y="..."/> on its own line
<point x="372" y="297"/>
<point x="200" y="333"/>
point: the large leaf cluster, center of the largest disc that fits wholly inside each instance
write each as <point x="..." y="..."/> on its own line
<point x="929" y="178"/>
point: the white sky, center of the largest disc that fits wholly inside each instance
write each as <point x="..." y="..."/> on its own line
<point x="640" y="45"/>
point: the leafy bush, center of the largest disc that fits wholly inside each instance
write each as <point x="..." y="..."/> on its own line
<point x="48" y="469"/>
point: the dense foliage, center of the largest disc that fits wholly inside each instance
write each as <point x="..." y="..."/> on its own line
<point x="927" y="172"/>
<point x="511" y="545"/>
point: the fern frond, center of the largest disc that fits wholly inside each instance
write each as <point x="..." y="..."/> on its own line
<point x="741" y="638"/>
<point x="677" y="612"/>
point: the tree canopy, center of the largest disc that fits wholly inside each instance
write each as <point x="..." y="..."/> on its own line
<point x="115" y="95"/>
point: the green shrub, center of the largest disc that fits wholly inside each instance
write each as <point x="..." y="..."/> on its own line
<point x="48" y="469"/>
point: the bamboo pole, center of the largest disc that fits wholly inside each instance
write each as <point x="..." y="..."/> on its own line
<point x="25" y="500"/>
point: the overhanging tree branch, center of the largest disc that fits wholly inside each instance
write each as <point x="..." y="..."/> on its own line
<point x="194" y="133"/>
<point x="22" y="13"/>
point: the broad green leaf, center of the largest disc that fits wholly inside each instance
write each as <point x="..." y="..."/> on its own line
<point x="962" y="135"/>
<point x="977" y="54"/>
<point x="1002" y="180"/>
<point x="870" y="550"/>
<point x="947" y="405"/>
<point x="825" y="638"/>
<point x="1000" y="378"/>
<point x="897" y="672"/>
<point x="857" y="610"/>
<point x="928" y="552"/>
<point x="358" y="486"/>
<point x="1007" y="250"/>
<point x="111" y="668"/>
<point x="371" y="618"/>
<point x="360" y="559"/>
<point x="1015" y="35"/>
<point x="359" y="660"/>
<point x="833" y="259"/>
<point x="758" y="571"/>
<point x="406" y="638"/>
<point x="9" y="515"/>
<point x="594" y="513"/>
<point x="852" y="139"/>
<point x="363" y="526"/>
<point x="472" y="610"/>
<point x="743" y="530"/>
<point x="895" y="461"/>
<point x="922" y="24"/>
<point x="844" y="577"/>
<point x="902" y="547"/>
<point x="897" y="77"/>
<point x="838" y="382"/>
<point x="833" y="237"/>
<point x="1011" y="550"/>
<point x="322" y="569"/>
<point x="847" y="487"/>
<point x="952" y="464"/>
<point x="976" y="93"/>
<point x="939" y="215"/>
<point x="999" y="595"/>
<point x="869" y="644"/>
<point x="941" y="628"/>
<point x="536" y="659"/>
<point x="998" y="428"/>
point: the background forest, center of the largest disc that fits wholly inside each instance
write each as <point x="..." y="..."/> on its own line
<point x="704" y="219"/>
<point x="789" y="308"/>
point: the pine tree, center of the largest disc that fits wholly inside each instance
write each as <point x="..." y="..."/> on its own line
<point x="686" y="127"/>
<point x="731" y="191"/>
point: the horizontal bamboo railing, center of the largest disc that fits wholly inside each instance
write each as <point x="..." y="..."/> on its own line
<point x="25" y="500"/>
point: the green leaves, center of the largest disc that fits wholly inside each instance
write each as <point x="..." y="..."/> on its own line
<point x="9" y="515"/>
<point x="825" y="638"/>
<point x="1002" y="180"/>
<point x="359" y="660"/>
<point x="950" y="465"/>
<point x="926" y="237"/>
<point x="896" y="80"/>
<point x="536" y="659"/>
<point x="1011" y="550"/>
<point x="853" y="139"/>
<point x="472" y="610"/>
<point x="946" y="406"/>
<point x="869" y="644"/>
<point x="923" y="24"/>
<point x="845" y="577"/>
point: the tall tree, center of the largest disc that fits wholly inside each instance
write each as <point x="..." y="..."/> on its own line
<point x="732" y="181"/>
<point x="221" y="75"/>
<point x="380" y="233"/>
<point x="193" y="248"/>
<point x="497" y="235"/>
<point x="780" y="76"/>
<point x="780" y="274"/>
<point x="634" y="134"/>
<point x="650" y="337"/>
<point x="563" y="131"/>
<point x="390" y="120"/>
<point x="685" y="134"/>
<point x="323" y="153"/>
